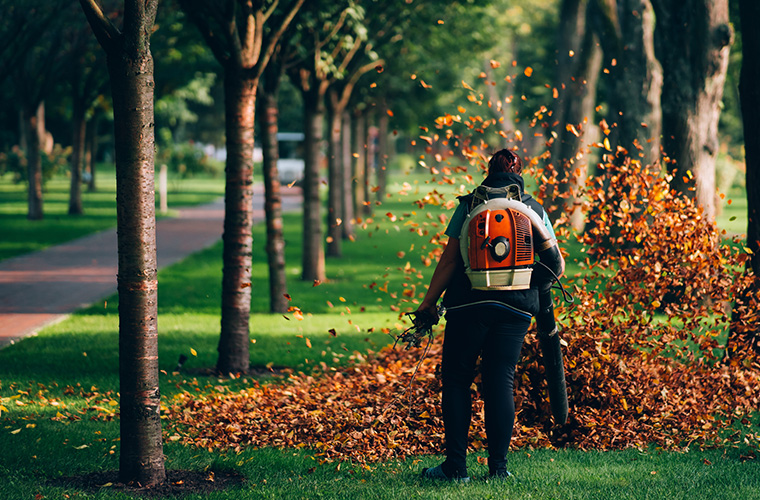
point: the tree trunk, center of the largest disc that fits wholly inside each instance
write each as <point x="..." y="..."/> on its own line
<point x="239" y="108"/>
<point x="335" y="178"/>
<point x="382" y="153"/>
<point x="693" y="40"/>
<point x="313" y="262"/>
<point x="348" y="179"/>
<point x="141" y="458"/>
<point x="91" y="153"/>
<point x="638" y="83"/>
<point x="750" y="104"/>
<point x="359" y="136"/>
<point x="35" y="124"/>
<point x="370" y="164"/>
<point x="579" y="60"/>
<point x="278" y="287"/>
<point x="79" y="127"/>
<point x="572" y="30"/>
<point x="130" y="68"/>
<point x="578" y="100"/>
<point x="23" y="129"/>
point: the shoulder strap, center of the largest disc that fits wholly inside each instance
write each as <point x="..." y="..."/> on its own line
<point x="484" y="193"/>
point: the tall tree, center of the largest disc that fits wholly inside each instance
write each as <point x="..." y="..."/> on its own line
<point x="578" y="61"/>
<point x="235" y="32"/>
<point x="130" y="67"/>
<point x="339" y="95"/>
<point x="87" y="78"/>
<point x="32" y="61"/>
<point x="318" y="25"/>
<point x="693" y="38"/>
<point x="269" y="120"/>
<point x="637" y="82"/>
<point x="750" y="104"/>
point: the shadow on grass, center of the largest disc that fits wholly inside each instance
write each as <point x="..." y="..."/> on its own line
<point x="178" y="483"/>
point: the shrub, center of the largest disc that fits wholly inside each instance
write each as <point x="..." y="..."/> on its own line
<point x="16" y="162"/>
<point x="188" y="160"/>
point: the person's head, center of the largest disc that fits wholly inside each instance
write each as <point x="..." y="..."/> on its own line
<point x="505" y="161"/>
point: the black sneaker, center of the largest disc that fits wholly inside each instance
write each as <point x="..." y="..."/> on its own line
<point x="437" y="473"/>
<point x="500" y="474"/>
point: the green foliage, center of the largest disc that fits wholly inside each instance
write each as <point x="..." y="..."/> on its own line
<point x="188" y="160"/>
<point x="16" y="163"/>
<point x="173" y="109"/>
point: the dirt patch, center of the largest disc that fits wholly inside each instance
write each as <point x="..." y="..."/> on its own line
<point x="178" y="483"/>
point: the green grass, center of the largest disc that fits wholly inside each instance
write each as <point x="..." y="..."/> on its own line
<point x="21" y="235"/>
<point x="71" y="369"/>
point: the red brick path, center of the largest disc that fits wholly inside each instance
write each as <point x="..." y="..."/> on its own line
<point x="43" y="287"/>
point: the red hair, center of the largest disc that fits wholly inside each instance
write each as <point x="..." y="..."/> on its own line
<point x="505" y="161"/>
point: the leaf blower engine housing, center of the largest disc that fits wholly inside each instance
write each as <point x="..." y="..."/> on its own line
<point x="499" y="240"/>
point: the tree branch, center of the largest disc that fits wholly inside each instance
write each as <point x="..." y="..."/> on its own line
<point x="233" y="38"/>
<point x="336" y="28"/>
<point x="271" y="10"/>
<point x="274" y="40"/>
<point x="348" y="88"/>
<point x="104" y="30"/>
<point x="252" y="38"/>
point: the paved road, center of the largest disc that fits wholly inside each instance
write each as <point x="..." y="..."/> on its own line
<point x="44" y="287"/>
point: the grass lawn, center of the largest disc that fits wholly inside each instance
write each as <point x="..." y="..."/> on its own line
<point x="21" y="235"/>
<point x="59" y="390"/>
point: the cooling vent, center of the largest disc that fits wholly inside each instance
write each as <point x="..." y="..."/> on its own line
<point x="523" y="238"/>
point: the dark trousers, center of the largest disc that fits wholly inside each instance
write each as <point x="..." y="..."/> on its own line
<point x="496" y="335"/>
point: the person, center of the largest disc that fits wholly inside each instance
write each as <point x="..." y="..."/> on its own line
<point x="487" y="324"/>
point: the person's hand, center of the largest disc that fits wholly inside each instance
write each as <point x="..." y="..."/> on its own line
<point x="427" y="310"/>
<point x="426" y="307"/>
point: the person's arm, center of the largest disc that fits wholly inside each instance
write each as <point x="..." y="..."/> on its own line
<point x="442" y="275"/>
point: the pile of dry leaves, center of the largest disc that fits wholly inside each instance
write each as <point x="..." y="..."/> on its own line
<point x="646" y="355"/>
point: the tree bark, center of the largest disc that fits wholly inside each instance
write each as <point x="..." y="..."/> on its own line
<point x="278" y="287"/>
<point x="693" y="39"/>
<point x="348" y="179"/>
<point x="359" y="147"/>
<point x="335" y="177"/>
<point x="570" y="36"/>
<point x="130" y="68"/>
<point x="35" y="124"/>
<point x="579" y="59"/>
<point x="239" y="107"/>
<point x="637" y="83"/>
<point x="382" y="153"/>
<point x="141" y="456"/>
<point x="79" y="127"/>
<point x="370" y="163"/>
<point x="313" y="259"/>
<point x="91" y="154"/>
<point x="577" y="100"/>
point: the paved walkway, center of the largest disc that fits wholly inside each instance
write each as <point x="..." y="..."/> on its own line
<point x="44" y="287"/>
